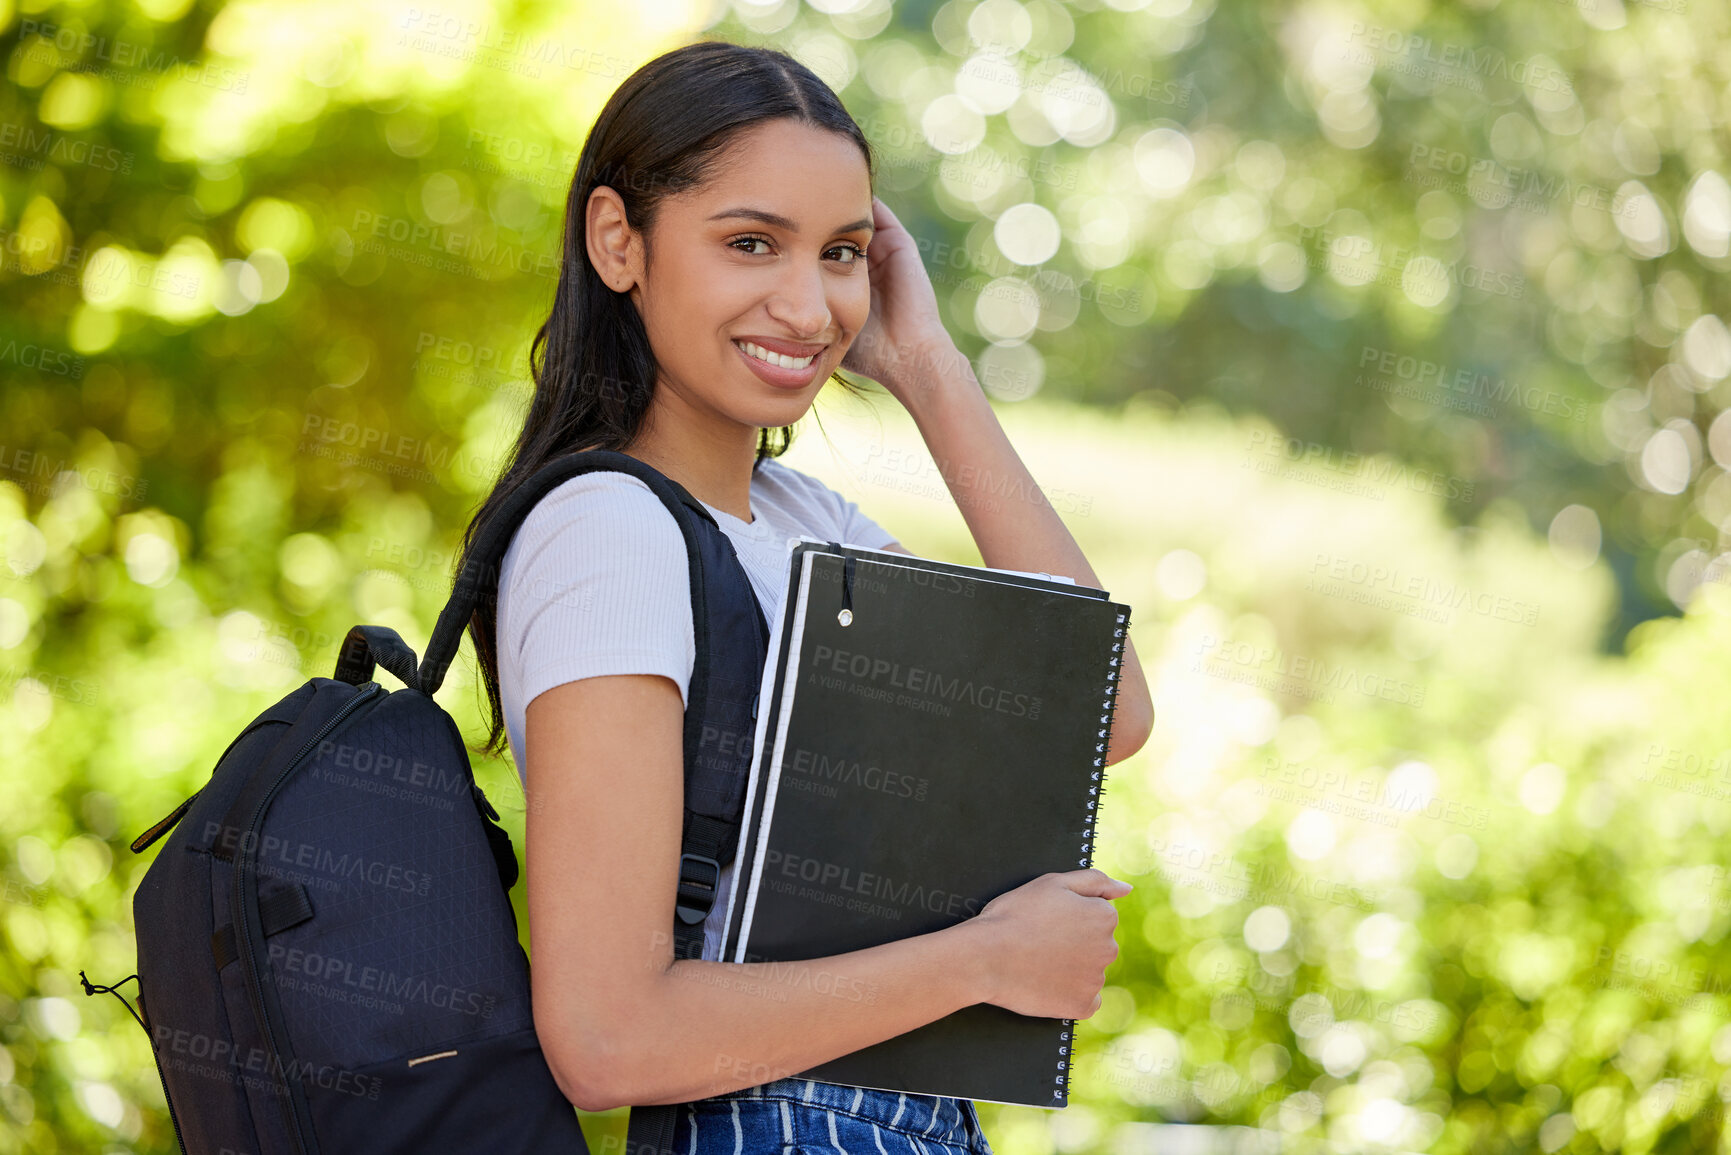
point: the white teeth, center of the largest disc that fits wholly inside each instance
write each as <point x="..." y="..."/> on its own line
<point x="781" y="359"/>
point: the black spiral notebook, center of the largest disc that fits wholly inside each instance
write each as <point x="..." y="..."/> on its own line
<point x="945" y="745"/>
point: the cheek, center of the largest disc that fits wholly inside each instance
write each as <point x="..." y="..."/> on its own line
<point x="851" y="304"/>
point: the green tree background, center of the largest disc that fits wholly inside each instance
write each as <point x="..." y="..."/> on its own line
<point x="1375" y="352"/>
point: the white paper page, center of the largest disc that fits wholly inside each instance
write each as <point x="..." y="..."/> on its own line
<point x="890" y="555"/>
<point x="772" y="778"/>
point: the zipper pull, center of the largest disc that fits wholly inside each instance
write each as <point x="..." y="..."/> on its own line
<point x="143" y="841"/>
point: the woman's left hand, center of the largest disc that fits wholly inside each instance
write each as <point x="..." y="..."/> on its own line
<point x="904" y="333"/>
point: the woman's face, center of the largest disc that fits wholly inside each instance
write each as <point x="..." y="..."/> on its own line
<point x="766" y="256"/>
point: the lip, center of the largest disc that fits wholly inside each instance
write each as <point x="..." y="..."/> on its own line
<point x="786" y="348"/>
<point x="774" y="374"/>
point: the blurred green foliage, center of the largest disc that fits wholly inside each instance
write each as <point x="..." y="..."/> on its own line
<point x="1399" y="332"/>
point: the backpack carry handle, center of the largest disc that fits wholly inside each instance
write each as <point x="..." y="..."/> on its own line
<point x="487" y="548"/>
<point x="367" y="646"/>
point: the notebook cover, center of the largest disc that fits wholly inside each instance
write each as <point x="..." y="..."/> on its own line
<point x="767" y="720"/>
<point x="904" y="788"/>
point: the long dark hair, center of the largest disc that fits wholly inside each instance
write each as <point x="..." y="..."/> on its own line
<point x="661" y="133"/>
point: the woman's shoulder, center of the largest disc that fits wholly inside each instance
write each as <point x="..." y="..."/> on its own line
<point x="795" y="485"/>
<point x="605" y="519"/>
<point x="602" y="496"/>
<point x="817" y="506"/>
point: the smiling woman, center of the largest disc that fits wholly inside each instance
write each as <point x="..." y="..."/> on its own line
<point x="772" y="293"/>
<point x="723" y="257"/>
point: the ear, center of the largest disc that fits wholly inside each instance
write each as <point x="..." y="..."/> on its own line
<point x="610" y="239"/>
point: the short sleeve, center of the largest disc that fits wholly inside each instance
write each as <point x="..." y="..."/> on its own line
<point x="857" y="528"/>
<point x="596" y="582"/>
<point x="846" y="522"/>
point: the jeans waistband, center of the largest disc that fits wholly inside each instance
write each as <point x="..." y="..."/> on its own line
<point x="919" y="1114"/>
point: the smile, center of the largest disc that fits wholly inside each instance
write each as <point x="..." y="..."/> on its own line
<point x="778" y="359"/>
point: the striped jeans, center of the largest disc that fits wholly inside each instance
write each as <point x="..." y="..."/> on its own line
<point x="808" y="1117"/>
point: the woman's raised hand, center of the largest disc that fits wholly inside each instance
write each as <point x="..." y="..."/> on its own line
<point x="904" y="333"/>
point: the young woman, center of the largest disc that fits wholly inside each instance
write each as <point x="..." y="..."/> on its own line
<point x="723" y="255"/>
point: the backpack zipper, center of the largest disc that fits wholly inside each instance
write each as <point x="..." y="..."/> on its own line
<point x="141" y="1016"/>
<point x="156" y="1059"/>
<point x="143" y="841"/>
<point x="244" y="871"/>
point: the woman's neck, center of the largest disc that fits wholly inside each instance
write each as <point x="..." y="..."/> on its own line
<point x="712" y="459"/>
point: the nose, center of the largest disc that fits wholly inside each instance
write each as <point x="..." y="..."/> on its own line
<point x="801" y="302"/>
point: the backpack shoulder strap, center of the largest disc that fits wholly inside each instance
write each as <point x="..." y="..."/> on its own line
<point x="731" y="640"/>
<point x="732" y="643"/>
<point x="488" y="546"/>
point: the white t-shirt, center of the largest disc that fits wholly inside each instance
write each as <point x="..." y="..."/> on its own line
<point x="595" y="582"/>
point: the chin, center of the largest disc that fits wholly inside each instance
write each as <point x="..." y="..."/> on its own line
<point x="772" y="407"/>
<point x="775" y="416"/>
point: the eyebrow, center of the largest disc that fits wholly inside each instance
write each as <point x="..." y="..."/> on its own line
<point x="776" y="220"/>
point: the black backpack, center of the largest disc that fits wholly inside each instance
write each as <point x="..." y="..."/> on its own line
<point x="328" y="958"/>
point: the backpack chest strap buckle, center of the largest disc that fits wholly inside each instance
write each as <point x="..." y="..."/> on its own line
<point x="699" y="879"/>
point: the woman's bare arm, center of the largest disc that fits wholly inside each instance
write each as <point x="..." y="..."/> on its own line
<point x="905" y="347"/>
<point x="1012" y="523"/>
<point x="620" y="1020"/>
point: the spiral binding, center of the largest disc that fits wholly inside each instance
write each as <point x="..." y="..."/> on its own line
<point x="1102" y="740"/>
